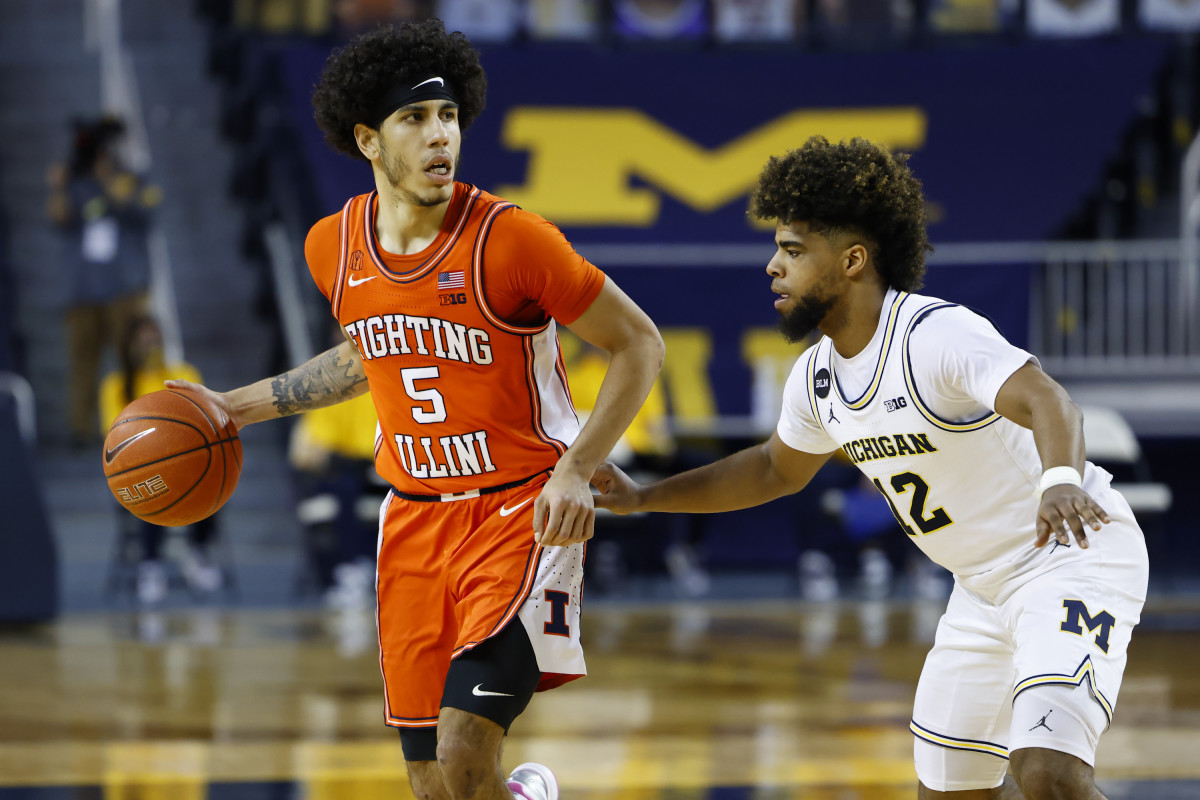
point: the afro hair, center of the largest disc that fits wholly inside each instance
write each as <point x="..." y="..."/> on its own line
<point x="852" y="187"/>
<point x="356" y="77"/>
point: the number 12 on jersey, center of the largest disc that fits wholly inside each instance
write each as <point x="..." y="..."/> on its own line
<point x="937" y="519"/>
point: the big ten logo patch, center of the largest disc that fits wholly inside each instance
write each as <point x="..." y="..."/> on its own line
<point x="455" y="299"/>
<point x="895" y="404"/>
<point x="611" y="166"/>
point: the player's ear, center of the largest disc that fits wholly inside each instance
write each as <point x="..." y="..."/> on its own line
<point x="368" y="141"/>
<point x="855" y="259"/>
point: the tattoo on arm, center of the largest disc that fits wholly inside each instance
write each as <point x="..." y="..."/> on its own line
<point x="324" y="380"/>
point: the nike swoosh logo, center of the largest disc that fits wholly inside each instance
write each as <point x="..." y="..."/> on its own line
<point x="505" y="510"/>
<point x="353" y="282"/>
<point x="111" y="453"/>
<point x="483" y="693"/>
<point x="431" y="80"/>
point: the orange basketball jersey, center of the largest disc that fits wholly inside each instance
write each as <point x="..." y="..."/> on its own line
<point x="459" y="341"/>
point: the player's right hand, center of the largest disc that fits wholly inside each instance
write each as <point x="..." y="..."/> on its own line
<point x="218" y="399"/>
<point x="1067" y="510"/>
<point x="618" y="492"/>
<point x="563" y="513"/>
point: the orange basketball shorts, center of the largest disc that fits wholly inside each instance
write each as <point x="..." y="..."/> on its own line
<point x="453" y="574"/>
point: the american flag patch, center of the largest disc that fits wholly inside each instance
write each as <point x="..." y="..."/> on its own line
<point x="451" y="280"/>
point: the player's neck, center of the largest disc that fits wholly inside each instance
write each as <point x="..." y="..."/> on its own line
<point x="852" y="323"/>
<point x="403" y="227"/>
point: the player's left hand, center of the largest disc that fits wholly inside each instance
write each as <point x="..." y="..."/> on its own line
<point x="1067" y="510"/>
<point x="564" y="513"/>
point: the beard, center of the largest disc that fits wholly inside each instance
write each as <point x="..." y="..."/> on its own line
<point x="396" y="169"/>
<point x="805" y="316"/>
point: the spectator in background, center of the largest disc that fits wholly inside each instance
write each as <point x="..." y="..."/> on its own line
<point x="661" y="20"/>
<point x="481" y="20"/>
<point x="358" y="16"/>
<point x="1169" y="15"/>
<point x="757" y="20"/>
<point x="332" y="450"/>
<point x="1071" y="18"/>
<point x="561" y="19"/>
<point x="863" y="23"/>
<point x="106" y="209"/>
<point x="142" y="370"/>
<point x="968" y="16"/>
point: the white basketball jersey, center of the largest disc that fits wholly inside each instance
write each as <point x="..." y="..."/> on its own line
<point x="960" y="482"/>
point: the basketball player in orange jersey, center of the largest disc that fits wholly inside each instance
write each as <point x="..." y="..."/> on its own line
<point x="450" y="299"/>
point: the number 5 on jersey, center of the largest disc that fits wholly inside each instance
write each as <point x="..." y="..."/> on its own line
<point x="436" y="410"/>
<point x="454" y="455"/>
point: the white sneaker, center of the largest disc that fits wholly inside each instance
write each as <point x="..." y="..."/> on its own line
<point x="200" y="573"/>
<point x="151" y="582"/>
<point x="532" y="781"/>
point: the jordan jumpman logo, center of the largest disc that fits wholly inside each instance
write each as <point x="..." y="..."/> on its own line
<point x="1042" y="722"/>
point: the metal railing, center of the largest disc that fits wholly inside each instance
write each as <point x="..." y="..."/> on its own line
<point x="1189" y="239"/>
<point x="1097" y="309"/>
<point x="1115" y="310"/>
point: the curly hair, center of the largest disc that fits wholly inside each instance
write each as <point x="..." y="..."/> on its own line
<point x="853" y="186"/>
<point x="357" y="76"/>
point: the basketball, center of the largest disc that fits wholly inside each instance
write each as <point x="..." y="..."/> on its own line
<point x="172" y="458"/>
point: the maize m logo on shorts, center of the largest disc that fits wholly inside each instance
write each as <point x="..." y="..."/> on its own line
<point x="1079" y="618"/>
<point x="583" y="161"/>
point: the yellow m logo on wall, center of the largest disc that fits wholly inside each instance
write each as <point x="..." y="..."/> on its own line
<point x="582" y="160"/>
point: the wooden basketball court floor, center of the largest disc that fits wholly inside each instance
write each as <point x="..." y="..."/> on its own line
<point x="764" y="699"/>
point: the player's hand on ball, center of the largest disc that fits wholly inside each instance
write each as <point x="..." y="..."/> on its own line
<point x="172" y="457"/>
<point x="563" y="513"/>
<point x="618" y="492"/>
<point x="216" y="398"/>
<point x="1068" y="510"/>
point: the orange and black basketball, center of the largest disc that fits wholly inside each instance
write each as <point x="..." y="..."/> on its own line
<point x="172" y="458"/>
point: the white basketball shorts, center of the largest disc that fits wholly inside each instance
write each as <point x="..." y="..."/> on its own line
<point x="1064" y="621"/>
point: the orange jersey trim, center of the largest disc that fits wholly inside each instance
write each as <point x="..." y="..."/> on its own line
<point x="430" y="263"/>
<point x="514" y="605"/>
<point x="477" y="270"/>
<point x="343" y="232"/>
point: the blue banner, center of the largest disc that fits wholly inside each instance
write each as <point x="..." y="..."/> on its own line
<point x="648" y="147"/>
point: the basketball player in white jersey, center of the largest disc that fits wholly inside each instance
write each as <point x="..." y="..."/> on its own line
<point x="980" y="455"/>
